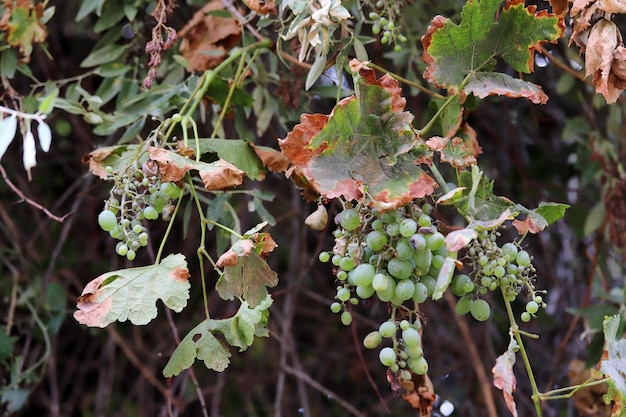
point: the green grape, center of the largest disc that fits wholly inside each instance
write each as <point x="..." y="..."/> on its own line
<point x="394" y="368"/>
<point x="393" y="229"/>
<point x="383" y="21"/>
<point x="343" y="294"/>
<point x="389" y="293"/>
<point x="130" y="255"/>
<point x="378" y="225"/>
<point x="342" y="275"/>
<point x="399" y="268"/>
<point x="336" y="259"/>
<point x="150" y="213"/>
<point x="501" y="261"/>
<point x="404" y="324"/>
<point x="430" y="284"/>
<point x="463" y="306"/>
<point x="376" y="240"/>
<point x="423" y="261"/>
<point x="363" y="274"/>
<point x="485" y="281"/>
<point x="346" y="318"/>
<point x="424" y="220"/>
<point x="390" y="216"/>
<point x="523" y="258"/>
<point x="376" y="28"/>
<point x="525" y="316"/>
<point x="405" y="289"/>
<point x="427" y="208"/>
<point x="374" y="16"/>
<point x="404" y="249"/>
<point x="354" y="301"/>
<point x="374" y="260"/>
<point x="411" y="337"/>
<point x="510" y="249"/>
<point x="391" y="26"/>
<point x="324" y="256"/>
<point x="421" y="293"/>
<point x="405" y="375"/>
<point x="349" y="219"/>
<point x="418" y="242"/>
<point x="419" y="366"/>
<point x="435" y="241"/>
<point x="437" y="261"/>
<point x="387" y="329"/>
<point x="171" y="190"/>
<point x="137" y="228"/>
<point x="121" y="249"/>
<point x="538" y="299"/>
<point x="483" y="260"/>
<point x="380" y="282"/>
<point x="387" y="356"/>
<point x="346" y="263"/>
<point x="499" y="271"/>
<point x="480" y="310"/>
<point x="487" y="270"/>
<point x="461" y="285"/>
<point x="107" y="220"/>
<point x="365" y="291"/>
<point x="407" y="227"/>
<point x="335" y="307"/>
<point x="414" y="352"/>
<point x="532" y="307"/>
<point x="372" y="340"/>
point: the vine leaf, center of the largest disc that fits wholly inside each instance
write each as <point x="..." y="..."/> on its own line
<point x="237" y="152"/>
<point x="117" y="157"/>
<point x="363" y="145"/>
<point x="23" y="27"/>
<point x="201" y="342"/>
<point x="454" y="52"/>
<point x="246" y="274"/>
<point x="218" y="175"/>
<point x="131" y="294"/>
<point x="460" y="151"/>
<point x="504" y="378"/>
<point x="613" y="365"/>
<point x="539" y="218"/>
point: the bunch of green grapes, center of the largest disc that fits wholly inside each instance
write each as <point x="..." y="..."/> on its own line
<point x="395" y="256"/>
<point x="383" y="20"/>
<point x="138" y="194"/>
<point x="493" y="267"/>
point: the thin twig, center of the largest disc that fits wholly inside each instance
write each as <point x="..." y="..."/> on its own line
<point x="476" y="362"/>
<point x="316" y="385"/>
<point x="564" y="67"/>
<point x="28" y="200"/>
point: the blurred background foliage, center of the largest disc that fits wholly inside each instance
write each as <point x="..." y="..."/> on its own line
<point x="93" y="57"/>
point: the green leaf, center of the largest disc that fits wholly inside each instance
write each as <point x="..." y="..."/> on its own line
<point x="131" y="294"/>
<point x="219" y="89"/>
<point x="6" y="345"/>
<point x="104" y="55"/>
<point x="24" y="29"/>
<point x="238" y="152"/>
<point x="89" y="6"/>
<point x="8" y="63"/>
<point x="362" y="146"/>
<point x="316" y="70"/>
<point x="47" y="103"/>
<point x="14" y="399"/>
<point x="465" y="53"/>
<point x="112" y="13"/>
<point x="614" y="366"/>
<point x="201" y="343"/>
<point x="247" y="279"/>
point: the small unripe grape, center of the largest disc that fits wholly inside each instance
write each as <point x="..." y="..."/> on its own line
<point x="343" y="294"/>
<point x="435" y="241"/>
<point x="399" y="268"/>
<point x="324" y="257"/>
<point x="523" y="258"/>
<point x="437" y="261"/>
<point x="419" y="366"/>
<point x="372" y="340"/>
<point x="121" y="249"/>
<point x="404" y="324"/>
<point x="137" y="228"/>
<point x="404" y="249"/>
<point x="461" y="285"/>
<point x="418" y="242"/>
<point x="389" y="293"/>
<point x="172" y="190"/>
<point x="525" y="316"/>
<point x="480" y="310"/>
<point x="380" y="282"/>
<point x="510" y="249"/>
<point x="393" y="229"/>
<point x="107" y="220"/>
<point x="421" y="293"/>
<point x="365" y="291"/>
<point x="150" y="213"/>
<point x="336" y="259"/>
<point x="405" y="289"/>
<point x="349" y="219"/>
<point x="342" y="275"/>
<point x="346" y="318"/>
<point x="363" y="274"/>
<point x="463" y="306"/>
<point x="499" y="271"/>
<point x="346" y="263"/>
<point x="376" y="28"/>
<point x="387" y="356"/>
<point x="538" y="299"/>
<point x="130" y="255"/>
<point x="405" y="375"/>
<point x="376" y="240"/>
<point x="430" y="284"/>
<point x="397" y="48"/>
<point x="335" y="307"/>
<point x="387" y="329"/>
<point x="414" y="352"/>
<point x="407" y="227"/>
<point x="411" y="337"/>
<point x="532" y="307"/>
<point x="374" y="16"/>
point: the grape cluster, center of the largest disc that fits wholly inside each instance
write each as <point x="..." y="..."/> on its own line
<point x="138" y="194"/>
<point x="396" y="256"/>
<point x="492" y="267"/>
<point x="383" y="20"/>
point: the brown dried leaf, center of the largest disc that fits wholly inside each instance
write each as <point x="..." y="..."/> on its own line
<point x="504" y="379"/>
<point x="603" y="40"/>
<point x="94" y="160"/>
<point x="272" y="159"/>
<point x="527" y="225"/>
<point x="262" y="7"/>
<point x="559" y="7"/>
<point x="420" y="394"/>
<point x="242" y="247"/>
<point x="207" y="38"/>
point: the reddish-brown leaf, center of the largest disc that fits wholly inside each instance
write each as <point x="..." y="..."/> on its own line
<point x="527" y="225"/>
<point x="243" y="247"/>
<point x="272" y="159"/>
<point x="261" y="6"/>
<point x="94" y="160"/>
<point x="206" y="38"/>
<point x="504" y="379"/>
<point x="603" y="40"/>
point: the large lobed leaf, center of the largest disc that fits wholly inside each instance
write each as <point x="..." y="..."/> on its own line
<point x="131" y="294"/>
<point x="363" y="145"/>
<point x="201" y="342"/>
<point x="454" y="52"/>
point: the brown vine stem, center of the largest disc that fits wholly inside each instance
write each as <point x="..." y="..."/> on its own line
<point x="406" y="81"/>
<point x="483" y="380"/>
<point x="564" y="67"/>
<point x="29" y="201"/>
